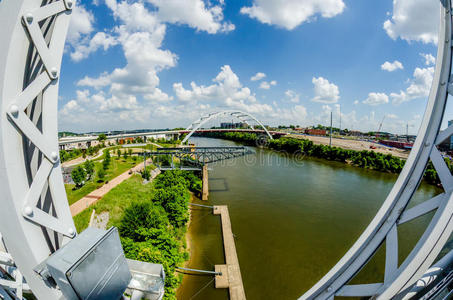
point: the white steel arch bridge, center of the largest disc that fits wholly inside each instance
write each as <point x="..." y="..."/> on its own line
<point x="241" y="116"/>
<point x="35" y="219"/>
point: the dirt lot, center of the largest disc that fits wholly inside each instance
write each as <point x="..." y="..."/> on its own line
<point x="354" y="145"/>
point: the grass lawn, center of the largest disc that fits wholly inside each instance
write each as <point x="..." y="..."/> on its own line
<point x="116" y="201"/>
<point x="117" y="167"/>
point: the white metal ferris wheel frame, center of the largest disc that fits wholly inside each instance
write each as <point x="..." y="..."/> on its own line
<point x="384" y="227"/>
<point x="34" y="214"/>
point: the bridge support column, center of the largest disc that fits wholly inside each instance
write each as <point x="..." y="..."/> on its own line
<point x="205" y="181"/>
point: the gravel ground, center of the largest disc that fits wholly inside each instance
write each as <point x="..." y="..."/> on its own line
<point x="354" y="145"/>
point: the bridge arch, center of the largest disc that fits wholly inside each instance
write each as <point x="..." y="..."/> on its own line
<point x="240" y="115"/>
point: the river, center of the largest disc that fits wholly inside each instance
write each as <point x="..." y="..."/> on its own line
<point x="293" y="219"/>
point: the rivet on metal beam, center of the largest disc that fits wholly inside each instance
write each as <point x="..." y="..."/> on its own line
<point x="54" y="73"/>
<point x="29" y="18"/>
<point x="54" y="156"/>
<point x="69" y="4"/>
<point x="14" y="110"/>
<point x="28" y="211"/>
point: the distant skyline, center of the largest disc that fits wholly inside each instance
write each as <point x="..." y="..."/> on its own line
<point x="164" y="63"/>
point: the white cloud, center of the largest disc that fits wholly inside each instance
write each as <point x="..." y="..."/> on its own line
<point x="376" y="99"/>
<point x="325" y="92"/>
<point x="267" y="85"/>
<point x="356" y="102"/>
<point x="80" y="43"/>
<point x="410" y="22"/>
<point x="292" y="96"/>
<point x="226" y="89"/>
<point x="419" y="87"/>
<point x="390" y="67"/>
<point x="429" y="59"/>
<point x="392" y="116"/>
<point x="140" y="35"/>
<point x="81" y="24"/>
<point x="100" y="40"/>
<point x="195" y="13"/>
<point x="291" y="13"/>
<point x="258" y="76"/>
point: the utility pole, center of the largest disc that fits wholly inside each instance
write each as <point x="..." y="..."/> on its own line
<point x="330" y="141"/>
<point x="407" y="132"/>
<point x="340" y="117"/>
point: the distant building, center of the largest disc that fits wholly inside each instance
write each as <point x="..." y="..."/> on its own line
<point x="233" y="125"/>
<point x="315" y="131"/>
<point x="355" y="133"/>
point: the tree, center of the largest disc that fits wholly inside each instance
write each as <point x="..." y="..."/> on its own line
<point x="118" y="153"/>
<point x="101" y="173"/>
<point x="78" y="175"/>
<point x="102" y="137"/>
<point x="89" y="168"/>
<point x="106" y="162"/>
<point x="130" y="152"/>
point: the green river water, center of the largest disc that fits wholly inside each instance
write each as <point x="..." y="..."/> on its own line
<point x="293" y="219"/>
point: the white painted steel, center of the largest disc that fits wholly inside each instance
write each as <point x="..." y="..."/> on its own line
<point x="35" y="219"/>
<point x="237" y="114"/>
<point x="383" y="227"/>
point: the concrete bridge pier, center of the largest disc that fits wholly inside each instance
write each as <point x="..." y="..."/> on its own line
<point x="205" y="182"/>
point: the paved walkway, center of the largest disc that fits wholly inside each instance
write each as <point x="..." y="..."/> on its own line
<point x="94" y="196"/>
<point x="80" y="159"/>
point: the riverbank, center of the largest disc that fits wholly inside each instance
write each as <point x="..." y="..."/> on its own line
<point x="292" y="221"/>
<point x="303" y="147"/>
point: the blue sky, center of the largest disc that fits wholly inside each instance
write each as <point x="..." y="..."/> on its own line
<point x="164" y="63"/>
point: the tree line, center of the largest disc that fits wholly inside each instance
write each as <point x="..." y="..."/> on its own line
<point x="363" y="159"/>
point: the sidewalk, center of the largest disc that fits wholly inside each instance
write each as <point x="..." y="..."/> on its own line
<point x="94" y="196"/>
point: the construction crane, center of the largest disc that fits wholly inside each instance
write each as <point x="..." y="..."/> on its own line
<point x="380" y="127"/>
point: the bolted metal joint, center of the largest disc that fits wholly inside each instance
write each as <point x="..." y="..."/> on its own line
<point x="53" y="73"/>
<point x="28" y="211"/>
<point x="28" y="18"/>
<point x="69" y="4"/>
<point x="14" y="110"/>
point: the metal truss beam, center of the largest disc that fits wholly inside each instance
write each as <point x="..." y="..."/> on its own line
<point x="200" y="155"/>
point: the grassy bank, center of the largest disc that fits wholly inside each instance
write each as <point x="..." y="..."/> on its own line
<point x="117" y="166"/>
<point x="152" y="220"/>
<point x="361" y="159"/>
